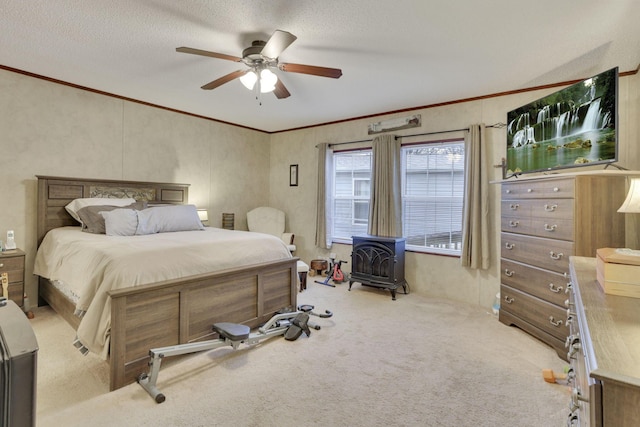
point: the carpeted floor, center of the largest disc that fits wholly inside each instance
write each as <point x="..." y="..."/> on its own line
<point x="377" y="362"/>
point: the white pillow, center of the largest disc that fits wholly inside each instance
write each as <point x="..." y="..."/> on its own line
<point x="120" y="222"/>
<point x="163" y="219"/>
<point x="75" y="205"/>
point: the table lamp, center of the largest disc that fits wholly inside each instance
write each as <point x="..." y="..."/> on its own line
<point x="618" y="270"/>
<point x="631" y="205"/>
<point x="203" y="215"/>
<point x="632" y="202"/>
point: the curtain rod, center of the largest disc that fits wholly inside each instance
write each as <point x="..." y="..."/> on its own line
<point x="495" y="125"/>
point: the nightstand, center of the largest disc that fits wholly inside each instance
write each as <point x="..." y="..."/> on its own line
<point x="12" y="263"/>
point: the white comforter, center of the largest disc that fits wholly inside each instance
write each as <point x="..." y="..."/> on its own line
<point x="93" y="264"/>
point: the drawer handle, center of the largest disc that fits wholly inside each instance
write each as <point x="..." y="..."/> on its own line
<point x="571" y="339"/>
<point x="514" y="206"/>
<point x="508" y="299"/>
<point x="509" y="245"/>
<point x="508" y="272"/>
<point x="555" y="322"/>
<point x="574" y="405"/>
<point x="513" y="224"/>
<point x="556" y="189"/>
<point x="577" y="396"/>
<point x="548" y="227"/>
<point x="550" y="208"/>
<point x="1" y="264"/>
<point x="508" y="191"/>
<point x="529" y="190"/>
<point x="555" y="256"/>
<point x="573" y="349"/>
<point x="554" y="288"/>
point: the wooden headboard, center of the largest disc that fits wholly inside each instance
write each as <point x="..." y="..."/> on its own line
<point x="54" y="193"/>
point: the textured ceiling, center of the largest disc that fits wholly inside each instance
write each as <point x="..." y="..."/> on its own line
<point x="394" y="54"/>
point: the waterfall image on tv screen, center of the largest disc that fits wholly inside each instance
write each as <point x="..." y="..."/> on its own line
<point x="575" y="126"/>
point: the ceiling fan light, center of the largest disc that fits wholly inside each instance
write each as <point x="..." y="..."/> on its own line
<point x="268" y="81"/>
<point x="249" y="79"/>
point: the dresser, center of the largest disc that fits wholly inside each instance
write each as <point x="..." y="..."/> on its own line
<point x="378" y="261"/>
<point x="604" y="352"/>
<point x="12" y="263"/>
<point x="544" y="221"/>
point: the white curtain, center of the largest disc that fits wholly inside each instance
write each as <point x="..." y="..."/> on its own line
<point x="385" y="208"/>
<point x="323" y="239"/>
<point x="475" y="229"/>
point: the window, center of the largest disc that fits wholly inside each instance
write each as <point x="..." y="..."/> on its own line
<point x="432" y="195"/>
<point x="351" y="194"/>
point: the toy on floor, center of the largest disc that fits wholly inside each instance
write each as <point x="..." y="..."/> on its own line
<point x="334" y="273"/>
<point x="289" y="323"/>
<point x="554" y="377"/>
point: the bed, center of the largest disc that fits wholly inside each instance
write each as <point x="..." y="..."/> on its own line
<point x="158" y="311"/>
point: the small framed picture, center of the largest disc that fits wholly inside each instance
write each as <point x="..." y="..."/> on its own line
<point x="293" y="175"/>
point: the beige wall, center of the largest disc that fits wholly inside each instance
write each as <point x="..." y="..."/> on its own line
<point x="52" y="129"/>
<point x="430" y="275"/>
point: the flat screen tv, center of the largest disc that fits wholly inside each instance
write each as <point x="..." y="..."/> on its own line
<point x="575" y="126"/>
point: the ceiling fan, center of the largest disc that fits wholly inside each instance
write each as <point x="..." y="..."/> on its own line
<point x="261" y="58"/>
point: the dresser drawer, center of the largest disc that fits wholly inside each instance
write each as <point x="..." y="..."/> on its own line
<point x="542" y="314"/>
<point x="553" y="228"/>
<point x="15" y="276"/>
<point x="14" y="266"/>
<point x="535" y="189"/>
<point x="545" y="253"/>
<point x="538" y="208"/>
<point x="16" y="293"/>
<point x="11" y="263"/>
<point x="544" y="284"/>
<point x="584" y="386"/>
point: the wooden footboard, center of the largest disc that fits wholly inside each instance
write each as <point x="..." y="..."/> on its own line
<point x="181" y="311"/>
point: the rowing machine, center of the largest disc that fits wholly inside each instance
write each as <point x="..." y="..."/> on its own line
<point x="308" y="308"/>
<point x="290" y="324"/>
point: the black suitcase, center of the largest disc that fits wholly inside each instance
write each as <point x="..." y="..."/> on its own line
<point x="18" y="367"/>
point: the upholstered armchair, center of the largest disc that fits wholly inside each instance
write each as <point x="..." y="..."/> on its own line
<point x="270" y="221"/>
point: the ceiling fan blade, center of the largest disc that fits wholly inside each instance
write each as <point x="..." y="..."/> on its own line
<point x="279" y="41"/>
<point x="224" y="79"/>
<point x="280" y="91"/>
<point x="207" y="53"/>
<point x="334" y="73"/>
